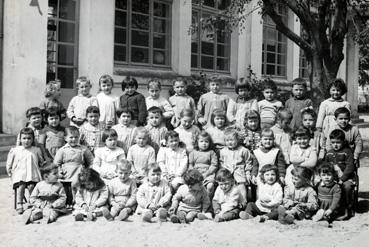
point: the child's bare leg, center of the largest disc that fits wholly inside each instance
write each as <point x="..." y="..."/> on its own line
<point x="231" y="215"/>
<point x="20" y="195"/>
<point x="190" y="216"/>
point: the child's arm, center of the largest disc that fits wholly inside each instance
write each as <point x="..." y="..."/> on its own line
<point x="168" y="110"/>
<point x="80" y="201"/>
<point x="9" y="162"/>
<point x="310" y="159"/>
<point x="60" y="202"/>
<point x="191" y="160"/>
<point x="70" y="109"/>
<point x="177" y="198"/>
<point x="281" y="164"/>
<point x="231" y="111"/>
<point x="336" y="197"/>
<point x="255" y="169"/>
<point x="141" y="196"/>
<point x="254" y="106"/>
<point x="358" y="143"/>
<point x="151" y="158"/>
<point x="88" y="157"/>
<point x="132" y="200"/>
<point x="111" y="198"/>
<point x="312" y="200"/>
<point x="214" y="164"/>
<point x="277" y="197"/>
<point x="103" y="197"/>
<point x="350" y="167"/>
<point x="63" y="111"/>
<point x="321" y="116"/>
<point x="182" y="164"/>
<point x="295" y="156"/>
<point x="216" y="205"/>
<point x="97" y="163"/>
<point x="322" y="144"/>
<point x="165" y="200"/>
<point x="161" y="161"/>
<point x="200" y="110"/>
<point x="142" y="111"/>
<point x="288" y="200"/>
<point x="33" y="198"/>
<point x="205" y="201"/>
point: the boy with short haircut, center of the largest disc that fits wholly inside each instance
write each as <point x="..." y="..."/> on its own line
<point x="154" y="99"/>
<point x="269" y="106"/>
<point x="342" y="159"/>
<point x="133" y="101"/>
<point x="156" y="127"/>
<point x="352" y="133"/>
<point x="298" y="102"/>
<point x="227" y="200"/>
<point x="92" y="130"/>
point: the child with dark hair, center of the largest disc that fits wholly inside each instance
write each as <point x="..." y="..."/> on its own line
<point x="187" y="131"/>
<point x="218" y="123"/>
<point x="107" y="158"/>
<point x="48" y="198"/>
<point x="269" y="197"/>
<point x="298" y="101"/>
<point x="342" y="159"/>
<point x="252" y="131"/>
<point x="283" y="133"/>
<point x="54" y="132"/>
<point x="107" y="101"/>
<point x="329" y="194"/>
<point x="92" y="130"/>
<point x="352" y="133"/>
<point x="191" y="200"/>
<point x="227" y="200"/>
<point x="133" y="101"/>
<point x="125" y="129"/>
<point x="173" y="160"/>
<point x="269" y="106"/>
<point x="337" y="88"/>
<point x="180" y="100"/>
<point x="245" y="102"/>
<point x="156" y="127"/>
<point x="154" y="99"/>
<point x="92" y="196"/>
<point x="52" y="95"/>
<point x="153" y="196"/>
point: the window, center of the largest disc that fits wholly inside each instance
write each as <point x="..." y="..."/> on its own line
<point x="303" y="66"/>
<point x="210" y="49"/>
<point x="274" y="55"/>
<point x="142" y="32"/>
<point x="62" y="35"/>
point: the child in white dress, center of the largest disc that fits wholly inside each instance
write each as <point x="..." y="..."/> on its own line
<point x="107" y="102"/>
<point x="125" y="129"/>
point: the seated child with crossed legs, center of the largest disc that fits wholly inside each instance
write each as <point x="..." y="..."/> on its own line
<point x="227" y="200"/>
<point x="191" y="200"/>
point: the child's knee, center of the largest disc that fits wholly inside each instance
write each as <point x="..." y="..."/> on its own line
<point x="191" y="216"/>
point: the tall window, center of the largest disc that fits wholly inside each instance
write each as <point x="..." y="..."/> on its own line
<point x="62" y="34"/>
<point x="274" y="55"/>
<point x="142" y="32"/>
<point x="210" y="49"/>
<point x="303" y="66"/>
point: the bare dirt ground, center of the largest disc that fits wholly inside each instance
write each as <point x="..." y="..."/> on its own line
<point x="67" y="232"/>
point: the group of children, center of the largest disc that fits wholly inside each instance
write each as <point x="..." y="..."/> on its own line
<point x="221" y="160"/>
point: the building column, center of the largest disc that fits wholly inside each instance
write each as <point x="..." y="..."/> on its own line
<point x="295" y="26"/>
<point x="96" y="39"/>
<point x="24" y="60"/>
<point x="255" y="40"/>
<point x="238" y="58"/>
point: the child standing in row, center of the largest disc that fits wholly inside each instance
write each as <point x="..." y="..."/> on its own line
<point x="269" y="106"/>
<point x="154" y="99"/>
<point x="107" y="102"/>
<point x="133" y="101"/>
<point x="125" y="129"/>
<point x="78" y="105"/>
<point x="252" y="131"/>
<point x="187" y="131"/>
<point x="283" y="133"/>
<point x="53" y="132"/>
<point x="22" y="165"/>
<point x="156" y="127"/>
<point x="216" y="129"/>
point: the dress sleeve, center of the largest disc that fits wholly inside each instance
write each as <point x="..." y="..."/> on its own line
<point x="231" y="111"/>
<point x="312" y="202"/>
<point x="103" y="198"/>
<point x="168" y="110"/>
<point x="132" y="199"/>
<point x="321" y="115"/>
<point x="310" y="159"/>
<point x="71" y="107"/>
<point x="183" y="163"/>
<point x="60" y="202"/>
<point x="10" y="161"/>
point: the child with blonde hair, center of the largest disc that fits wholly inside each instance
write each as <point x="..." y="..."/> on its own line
<point x="48" y="197"/>
<point x="52" y="94"/>
<point x="153" y="196"/>
<point x="22" y="165"/>
<point x="78" y="105"/>
<point x="269" y="106"/>
<point x="216" y="130"/>
<point x="125" y="129"/>
<point x="187" y="131"/>
<point x="191" y="200"/>
<point x="156" y="127"/>
<point x="107" y="102"/>
<point x="154" y="99"/>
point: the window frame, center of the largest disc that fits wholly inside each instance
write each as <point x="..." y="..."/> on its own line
<point x="303" y="65"/>
<point x="151" y="33"/>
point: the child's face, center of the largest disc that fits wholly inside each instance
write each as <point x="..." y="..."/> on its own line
<point x="343" y="120"/>
<point x="303" y="141"/>
<point x="111" y="142"/>
<point x="72" y="139"/>
<point x="186" y="122"/>
<point x="284" y="123"/>
<point x="308" y="121"/>
<point x="297" y="181"/>
<point x="125" y="118"/>
<point x="35" y="120"/>
<point x="52" y="177"/>
<point x="269" y="94"/>
<point x="106" y="87"/>
<point x="84" y="88"/>
<point x="327" y="177"/>
<point x="154" y="92"/>
<point x="219" y="121"/>
<point x="89" y="185"/>
<point x="243" y="92"/>
<point x="270" y="177"/>
<point x="154" y="176"/>
<point x="194" y="187"/>
<point x="173" y="142"/>
<point x="180" y="88"/>
<point x="93" y="118"/>
<point x="130" y="90"/>
<point x="124" y="174"/>
<point x="335" y="92"/>
<point x="267" y="141"/>
<point x="226" y="185"/>
<point x="231" y="141"/>
<point x="214" y="87"/>
<point x="154" y="119"/>
<point x="26" y="140"/>
<point x="298" y="91"/>
<point x="141" y="139"/>
<point x="203" y="143"/>
<point x="253" y="123"/>
<point x="337" y="144"/>
<point x="53" y="121"/>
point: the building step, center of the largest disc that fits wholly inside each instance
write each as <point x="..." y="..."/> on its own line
<point x="4" y="150"/>
<point x="7" y="140"/>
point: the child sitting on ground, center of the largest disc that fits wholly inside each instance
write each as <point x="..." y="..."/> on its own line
<point x="156" y="127"/>
<point x="122" y="193"/>
<point x="269" y="106"/>
<point x="92" y="196"/>
<point x="125" y="129"/>
<point x="252" y="132"/>
<point x="48" y="197"/>
<point x="191" y="200"/>
<point x="153" y="196"/>
<point x="54" y="132"/>
<point x="173" y="160"/>
<point x="227" y="200"/>
<point x="269" y="197"/>
<point x="283" y="133"/>
<point x="187" y="131"/>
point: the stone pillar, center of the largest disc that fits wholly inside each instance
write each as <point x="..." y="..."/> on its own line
<point x="255" y="40"/>
<point x="24" y="60"/>
<point x="294" y="24"/>
<point x="238" y="59"/>
<point x="181" y="38"/>
<point x="96" y="39"/>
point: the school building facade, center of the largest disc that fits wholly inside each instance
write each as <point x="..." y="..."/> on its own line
<point x="64" y="39"/>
